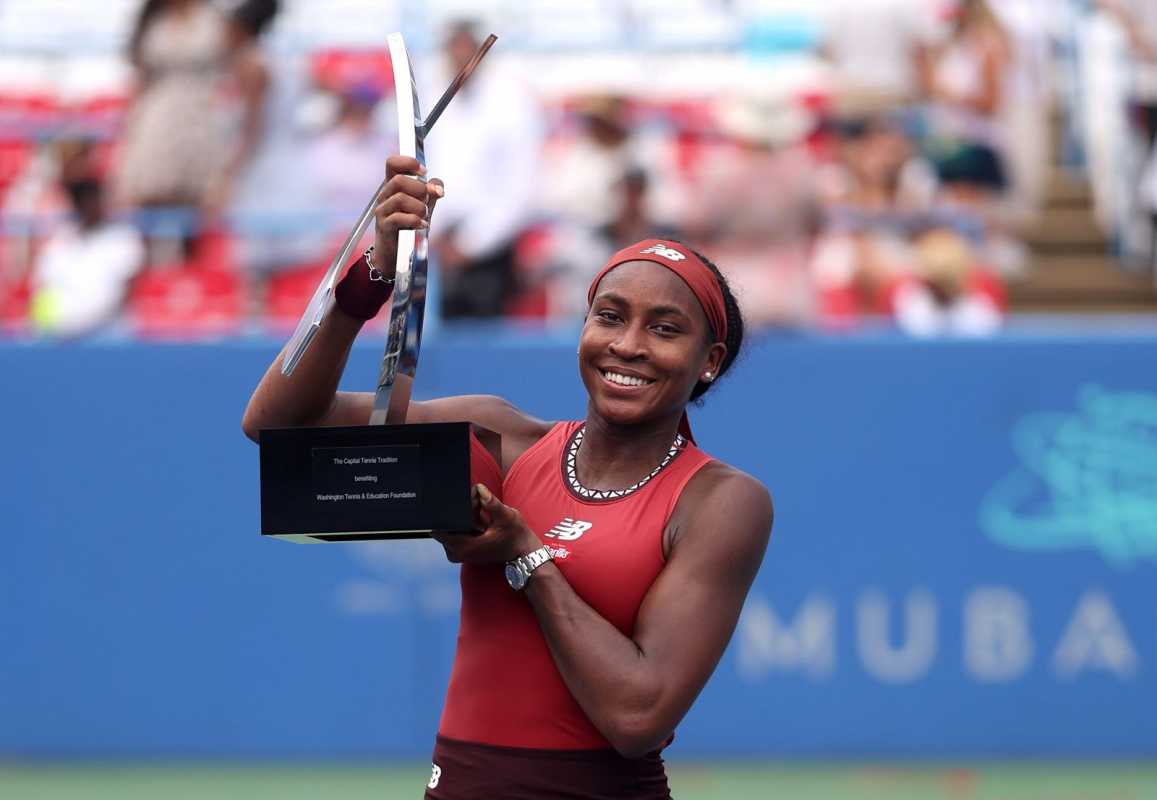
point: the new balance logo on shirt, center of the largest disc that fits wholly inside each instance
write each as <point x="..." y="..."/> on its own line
<point x="569" y="529"/>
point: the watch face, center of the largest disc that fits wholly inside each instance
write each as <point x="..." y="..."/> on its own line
<point x="515" y="577"/>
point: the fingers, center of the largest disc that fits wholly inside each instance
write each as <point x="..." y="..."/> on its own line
<point x="403" y="165"/>
<point x="485" y="496"/>
<point x="402" y="203"/>
<point x="406" y="202"/>
<point x="499" y="512"/>
<point x="436" y="191"/>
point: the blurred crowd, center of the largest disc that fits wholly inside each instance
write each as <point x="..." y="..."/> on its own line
<point x="893" y="184"/>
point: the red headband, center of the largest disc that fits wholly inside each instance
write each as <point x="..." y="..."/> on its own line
<point x="684" y="263"/>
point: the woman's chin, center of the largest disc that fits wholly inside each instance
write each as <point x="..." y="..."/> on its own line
<point x="618" y="412"/>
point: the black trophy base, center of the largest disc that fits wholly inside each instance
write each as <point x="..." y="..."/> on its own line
<point x="368" y="482"/>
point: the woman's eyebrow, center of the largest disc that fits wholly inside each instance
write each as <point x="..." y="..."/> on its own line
<point x="612" y="297"/>
<point x="660" y="311"/>
<point x="655" y="311"/>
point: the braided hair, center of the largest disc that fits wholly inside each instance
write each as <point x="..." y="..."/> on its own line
<point x="734" y="339"/>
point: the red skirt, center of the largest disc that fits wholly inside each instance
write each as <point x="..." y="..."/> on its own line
<point x="468" y="771"/>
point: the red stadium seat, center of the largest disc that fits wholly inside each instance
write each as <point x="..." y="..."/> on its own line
<point x="532" y="256"/>
<point x="14" y="299"/>
<point x="213" y="251"/>
<point x="104" y="105"/>
<point x="342" y="70"/>
<point x="531" y="302"/>
<point x="14" y="157"/>
<point x="984" y="281"/>
<point x="186" y="303"/>
<point x="288" y="293"/>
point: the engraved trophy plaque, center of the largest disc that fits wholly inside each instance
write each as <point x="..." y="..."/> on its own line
<point x="385" y="480"/>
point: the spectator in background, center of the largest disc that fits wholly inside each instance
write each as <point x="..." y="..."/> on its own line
<point x="949" y="294"/>
<point x="877" y="47"/>
<point x="874" y="195"/>
<point x="251" y="81"/>
<point x="755" y="206"/>
<point x="1032" y="27"/>
<point x="966" y="79"/>
<point x="269" y="200"/>
<point x="81" y="276"/>
<point x="574" y="250"/>
<point x="633" y="223"/>
<point x="877" y="170"/>
<point x="972" y="185"/>
<point x="1138" y="18"/>
<point x="486" y="146"/>
<point x="346" y="160"/>
<point x="174" y="149"/>
<point x="582" y="173"/>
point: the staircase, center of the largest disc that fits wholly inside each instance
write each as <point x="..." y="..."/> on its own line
<point x="1072" y="270"/>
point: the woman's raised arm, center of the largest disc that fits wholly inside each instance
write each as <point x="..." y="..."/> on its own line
<point x="309" y="396"/>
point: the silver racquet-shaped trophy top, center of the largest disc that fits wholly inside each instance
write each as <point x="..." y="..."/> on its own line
<point x="408" y="302"/>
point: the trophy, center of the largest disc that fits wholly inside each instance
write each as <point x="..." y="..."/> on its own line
<point x="385" y="480"/>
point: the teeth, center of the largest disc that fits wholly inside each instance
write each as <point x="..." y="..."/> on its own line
<point x="625" y="380"/>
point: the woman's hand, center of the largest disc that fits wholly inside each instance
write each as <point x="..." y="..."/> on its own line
<point x="503" y="536"/>
<point x="405" y="203"/>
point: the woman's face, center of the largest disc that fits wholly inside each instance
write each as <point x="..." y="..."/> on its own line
<point x="645" y="344"/>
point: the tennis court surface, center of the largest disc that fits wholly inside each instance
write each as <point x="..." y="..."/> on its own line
<point x="1040" y="781"/>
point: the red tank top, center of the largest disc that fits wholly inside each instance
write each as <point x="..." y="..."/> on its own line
<point x="504" y="687"/>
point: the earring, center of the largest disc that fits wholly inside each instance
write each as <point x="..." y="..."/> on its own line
<point x="707" y="376"/>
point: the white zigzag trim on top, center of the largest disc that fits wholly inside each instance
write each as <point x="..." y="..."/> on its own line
<point x="612" y="494"/>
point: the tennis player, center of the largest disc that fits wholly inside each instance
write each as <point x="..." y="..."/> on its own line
<point x="613" y="555"/>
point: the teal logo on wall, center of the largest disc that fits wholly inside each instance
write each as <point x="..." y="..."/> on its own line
<point x="1087" y="480"/>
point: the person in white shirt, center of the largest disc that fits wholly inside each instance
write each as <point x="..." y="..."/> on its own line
<point x="81" y="277"/>
<point x="486" y="147"/>
<point x="1138" y="20"/>
<point x="345" y="161"/>
<point x="876" y="47"/>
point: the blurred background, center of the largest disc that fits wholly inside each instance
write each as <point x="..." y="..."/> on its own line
<point x="940" y="217"/>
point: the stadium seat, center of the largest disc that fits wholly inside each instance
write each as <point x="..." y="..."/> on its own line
<point x="340" y="70"/>
<point x="213" y="250"/>
<point x="186" y="302"/>
<point x="288" y="293"/>
<point x="14" y="299"/>
<point x="14" y="157"/>
<point x="532" y="255"/>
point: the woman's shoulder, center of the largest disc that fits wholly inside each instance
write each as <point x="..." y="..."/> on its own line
<point x="718" y="480"/>
<point x="736" y="507"/>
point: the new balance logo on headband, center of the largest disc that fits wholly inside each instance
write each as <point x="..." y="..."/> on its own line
<point x="665" y="252"/>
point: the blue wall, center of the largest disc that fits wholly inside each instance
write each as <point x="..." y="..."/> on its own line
<point x="963" y="561"/>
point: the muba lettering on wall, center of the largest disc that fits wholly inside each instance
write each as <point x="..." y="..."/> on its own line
<point x="900" y="641"/>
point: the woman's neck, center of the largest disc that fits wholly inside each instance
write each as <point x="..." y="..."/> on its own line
<point x="614" y="456"/>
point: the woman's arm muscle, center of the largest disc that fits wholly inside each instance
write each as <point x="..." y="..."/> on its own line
<point x="636" y="690"/>
<point x="518" y="430"/>
<point x="309" y="396"/>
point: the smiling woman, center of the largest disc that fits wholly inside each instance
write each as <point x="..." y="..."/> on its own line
<point x="615" y="536"/>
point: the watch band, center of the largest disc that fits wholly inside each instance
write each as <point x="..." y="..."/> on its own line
<point x="535" y="559"/>
<point x="528" y="563"/>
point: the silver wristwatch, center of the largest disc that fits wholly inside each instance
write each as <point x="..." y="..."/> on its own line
<point x="518" y="571"/>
